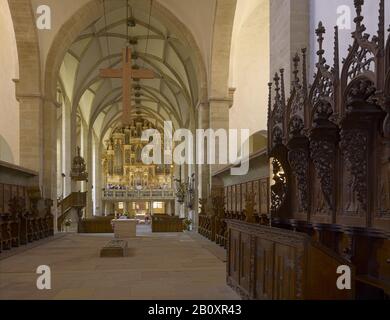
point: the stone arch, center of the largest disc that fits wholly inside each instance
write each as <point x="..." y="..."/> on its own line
<point x="88" y="14"/>
<point x="220" y="57"/>
<point x="6" y="151"/>
<point x="84" y="17"/>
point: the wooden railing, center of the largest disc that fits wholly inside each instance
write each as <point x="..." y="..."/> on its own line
<point x="76" y="200"/>
<point x="127" y="195"/>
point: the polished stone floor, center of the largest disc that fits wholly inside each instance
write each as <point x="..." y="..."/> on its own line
<point x="159" y="266"/>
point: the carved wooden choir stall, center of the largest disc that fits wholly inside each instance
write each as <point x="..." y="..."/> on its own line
<point x="24" y="216"/>
<point x="245" y="202"/>
<point x="329" y="145"/>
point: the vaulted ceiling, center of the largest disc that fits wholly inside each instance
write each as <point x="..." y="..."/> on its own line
<point x="173" y="95"/>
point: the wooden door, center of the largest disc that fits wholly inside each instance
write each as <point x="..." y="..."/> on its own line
<point x="284" y="272"/>
<point x="264" y="268"/>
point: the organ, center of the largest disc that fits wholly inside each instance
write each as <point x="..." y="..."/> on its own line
<point x="122" y="160"/>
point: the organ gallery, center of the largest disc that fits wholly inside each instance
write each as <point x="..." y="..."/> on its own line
<point x="122" y="160"/>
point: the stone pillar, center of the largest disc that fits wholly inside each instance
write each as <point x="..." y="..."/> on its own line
<point x="289" y="33"/>
<point x="203" y="113"/>
<point x="31" y="118"/>
<point x="219" y="119"/>
<point x="86" y="149"/>
<point x="176" y="175"/>
<point x="167" y="206"/>
<point x="66" y="147"/>
<point x="97" y="189"/>
<point x="107" y="205"/>
<point x="49" y="170"/>
<point x="73" y="144"/>
<point x="88" y="159"/>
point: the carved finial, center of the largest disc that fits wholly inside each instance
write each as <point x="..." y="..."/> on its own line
<point x="296" y="61"/>
<point x="269" y="99"/>
<point x="359" y="18"/>
<point x="381" y="25"/>
<point x="282" y="86"/>
<point x="304" y="71"/>
<point x="277" y="88"/>
<point x="320" y="31"/>
<point x="336" y="55"/>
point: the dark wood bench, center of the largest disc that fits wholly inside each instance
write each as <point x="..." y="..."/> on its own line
<point x="165" y="223"/>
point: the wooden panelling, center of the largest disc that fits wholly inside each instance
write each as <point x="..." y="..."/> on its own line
<point x="7" y="197"/>
<point x="264" y="196"/>
<point x="8" y="192"/>
<point x="236" y="196"/>
<point x="264" y="267"/>
<point x="243" y="196"/>
<point x="244" y="254"/>
<point x="256" y="191"/>
<point x="234" y="255"/>
<point x="165" y="223"/>
<point x="2" y="198"/>
<point x="97" y="225"/>
<point x="284" y="272"/>
<point x="270" y="263"/>
<point x="234" y="199"/>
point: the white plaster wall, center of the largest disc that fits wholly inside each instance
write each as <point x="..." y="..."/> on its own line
<point x="326" y="11"/>
<point x="9" y="70"/>
<point x="250" y="65"/>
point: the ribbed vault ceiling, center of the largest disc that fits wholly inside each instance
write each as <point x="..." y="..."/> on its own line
<point x="171" y="96"/>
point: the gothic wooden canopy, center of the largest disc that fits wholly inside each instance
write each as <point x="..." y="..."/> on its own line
<point x="330" y="142"/>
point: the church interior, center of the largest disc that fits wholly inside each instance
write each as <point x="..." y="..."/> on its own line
<point x="92" y="89"/>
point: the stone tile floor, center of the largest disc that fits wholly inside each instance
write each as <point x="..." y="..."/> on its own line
<point x="169" y="266"/>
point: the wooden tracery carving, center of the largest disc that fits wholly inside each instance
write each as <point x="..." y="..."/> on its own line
<point x="279" y="188"/>
<point x="332" y="138"/>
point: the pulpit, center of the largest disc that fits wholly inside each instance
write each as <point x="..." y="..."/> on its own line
<point x="124" y="228"/>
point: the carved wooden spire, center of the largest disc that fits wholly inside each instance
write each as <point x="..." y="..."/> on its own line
<point x="336" y="53"/>
<point x="277" y="88"/>
<point x="283" y="94"/>
<point x="304" y="71"/>
<point x="360" y="28"/>
<point x="269" y="100"/>
<point x="381" y="25"/>
<point x="296" y="61"/>
<point x="320" y="31"/>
